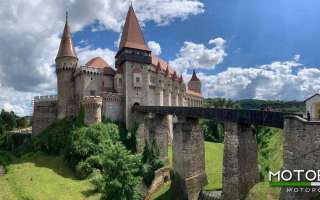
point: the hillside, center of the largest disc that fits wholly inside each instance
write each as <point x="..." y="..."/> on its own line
<point x="38" y="176"/>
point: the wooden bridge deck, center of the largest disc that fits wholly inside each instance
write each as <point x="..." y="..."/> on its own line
<point x="256" y="117"/>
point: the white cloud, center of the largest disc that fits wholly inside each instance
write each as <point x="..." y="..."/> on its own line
<point x="193" y="55"/>
<point x="29" y="37"/>
<point x="154" y="47"/>
<point x="288" y="80"/>
<point x="87" y="53"/>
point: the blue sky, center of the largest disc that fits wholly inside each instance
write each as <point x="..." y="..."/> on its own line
<point x="257" y="31"/>
<point x="262" y="49"/>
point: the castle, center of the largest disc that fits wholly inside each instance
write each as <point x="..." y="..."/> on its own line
<point x="140" y="78"/>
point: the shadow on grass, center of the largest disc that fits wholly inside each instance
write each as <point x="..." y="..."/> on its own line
<point x="55" y="163"/>
<point x="90" y="192"/>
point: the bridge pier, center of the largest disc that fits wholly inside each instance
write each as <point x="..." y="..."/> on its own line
<point x="301" y="151"/>
<point x="240" y="167"/>
<point x="188" y="159"/>
<point x="153" y="127"/>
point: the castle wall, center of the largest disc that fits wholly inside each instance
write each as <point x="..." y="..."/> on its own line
<point x="44" y="113"/>
<point x="113" y="106"/>
<point x="92" y="107"/>
<point x="301" y="151"/>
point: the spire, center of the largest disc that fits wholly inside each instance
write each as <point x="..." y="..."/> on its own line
<point x="167" y="71"/>
<point x="66" y="48"/>
<point x="194" y="76"/>
<point x="132" y="36"/>
<point x="158" y="67"/>
<point x="181" y="79"/>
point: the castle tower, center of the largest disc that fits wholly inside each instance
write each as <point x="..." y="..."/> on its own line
<point x="195" y="83"/>
<point x="92" y="108"/>
<point x="133" y="59"/>
<point x="66" y="63"/>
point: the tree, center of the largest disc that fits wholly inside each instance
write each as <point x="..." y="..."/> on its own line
<point x="214" y="131"/>
<point x="120" y="178"/>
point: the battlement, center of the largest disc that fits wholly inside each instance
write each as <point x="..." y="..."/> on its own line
<point x="92" y="100"/>
<point x="45" y="98"/>
<point x="88" y="70"/>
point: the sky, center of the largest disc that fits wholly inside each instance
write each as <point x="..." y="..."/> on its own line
<point x="240" y="49"/>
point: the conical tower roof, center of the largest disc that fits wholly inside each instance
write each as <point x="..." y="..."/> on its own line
<point x="66" y="48"/>
<point x="132" y="36"/>
<point x="194" y="76"/>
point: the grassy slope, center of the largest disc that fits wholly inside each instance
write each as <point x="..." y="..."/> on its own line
<point x="269" y="158"/>
<point x="214" y="156"/>
<point x="38" y="176"/>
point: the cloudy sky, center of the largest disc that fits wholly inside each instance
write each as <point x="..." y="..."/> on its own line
<point x="241" y="49"/>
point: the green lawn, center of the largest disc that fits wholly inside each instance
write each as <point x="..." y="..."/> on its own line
<point x="213" y="156"/>
<point x="38" y="177"/>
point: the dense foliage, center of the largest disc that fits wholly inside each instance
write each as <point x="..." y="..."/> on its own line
<point x="10" y="121"/>
<point x="151" y="161"/>
<point x="120" y="175"/>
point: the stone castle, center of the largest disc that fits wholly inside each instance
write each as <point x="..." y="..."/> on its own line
<point x="138" y="78"/>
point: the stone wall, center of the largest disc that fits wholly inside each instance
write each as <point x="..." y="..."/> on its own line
<point x="92" y="107"/>
<point x="188" y="159"/>
<point x="153" y="127"/>
<point x="240" y="167"/>
<point x="113" y="106"/>
<point x="301" y="150"/>
<point x="161" y="176"/>
<point x="44" y="113"/>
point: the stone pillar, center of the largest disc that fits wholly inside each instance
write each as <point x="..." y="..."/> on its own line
<point x="92" y="107"/>
<point x="153" y="127"/>
<point x="188" y="160"/>
<point x="240" y="167"/>
<point x="301" y="151"/>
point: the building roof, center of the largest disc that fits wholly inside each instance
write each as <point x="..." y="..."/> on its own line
<point x="193" y="93"/>
<point x="132" y="36"/>
<point x="119" y="69"/>
<point x="97" y="62"/>
<point x="194" y="76"/>
<point x="316" y="94"/>
<point x="66" y="48"/>
<point x="163" y="64"/>
<point x="100" y="63"/>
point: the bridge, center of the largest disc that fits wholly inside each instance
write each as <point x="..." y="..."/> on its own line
<point x="240" y="166"/>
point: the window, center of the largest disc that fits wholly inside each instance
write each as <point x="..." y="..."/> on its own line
<point x="138" y="79"/>
<point x="92" y="93"/>
<point x="120" y="82"/>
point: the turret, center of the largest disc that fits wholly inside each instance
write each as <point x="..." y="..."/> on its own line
<point x="195" y="83"/>
<point x="66" y="63"/>
<point x="92" y="107"/>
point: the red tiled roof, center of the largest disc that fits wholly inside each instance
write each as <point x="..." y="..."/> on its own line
<point x="132" y="36"/>
<point x="66" y="48"/>
<point x="163" y="64"/>
<point x="98" y="63"/>
<point x="109" y="71"/>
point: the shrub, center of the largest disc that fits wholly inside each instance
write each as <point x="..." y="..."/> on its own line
<point x="120" y="174"/>
<point x="55" y="139"/>
<point x="91" y="141"/>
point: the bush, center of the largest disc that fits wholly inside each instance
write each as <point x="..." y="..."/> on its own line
<point x="151" y="160"/>
<point x="120" y="174"/>
<point x="55" y="139"/>
<point x="87" y="143"/>
<point x="212" y="130"/>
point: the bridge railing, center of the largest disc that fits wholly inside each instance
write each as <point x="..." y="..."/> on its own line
<point x="257" y="117"/>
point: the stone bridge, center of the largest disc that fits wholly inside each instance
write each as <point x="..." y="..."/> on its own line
<point x="301" y="146"/>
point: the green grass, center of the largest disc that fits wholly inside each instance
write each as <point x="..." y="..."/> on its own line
<point x="213" y="156"/>
<point x="38" y="176"/>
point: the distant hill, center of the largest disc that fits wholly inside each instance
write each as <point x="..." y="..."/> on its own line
<point x="276" y="105"/>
